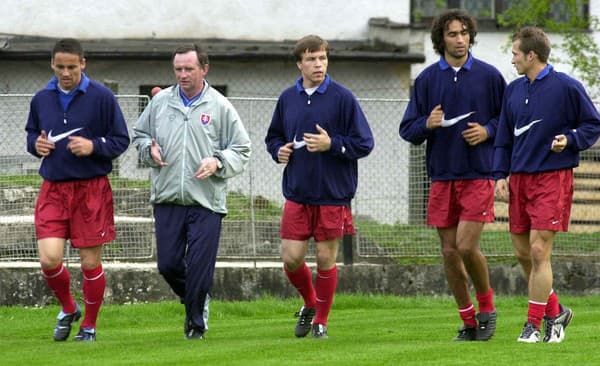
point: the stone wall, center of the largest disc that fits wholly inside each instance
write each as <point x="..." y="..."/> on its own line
<point x="131" y="283"/>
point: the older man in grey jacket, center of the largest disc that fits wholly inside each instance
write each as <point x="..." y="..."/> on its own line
<point x="194" y="140"/>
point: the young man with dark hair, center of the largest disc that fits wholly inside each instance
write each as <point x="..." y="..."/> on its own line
<point x="319" y="132"/>
<point x="547" y="118"/>
<point x="76" y="126"/>
<point x="455" y="108"/>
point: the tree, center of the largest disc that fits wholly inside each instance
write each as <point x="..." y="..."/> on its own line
<point x="574" y="27"/>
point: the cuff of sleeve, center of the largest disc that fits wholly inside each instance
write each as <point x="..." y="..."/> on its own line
<point x="336" y="147"/>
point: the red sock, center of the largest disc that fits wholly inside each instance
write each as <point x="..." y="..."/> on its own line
<point x="486" y="301"/>
<point x="467" y="314"/>
<point x="536" y="312"/>
<point x="552" y="307"/>
<point x="326" y="284"/>
<point x="59" y="281"/>
<point x="94" y="283"/>
<point x="301" y="279"/>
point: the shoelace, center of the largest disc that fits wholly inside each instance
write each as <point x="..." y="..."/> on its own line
<point x="528" y="331"/>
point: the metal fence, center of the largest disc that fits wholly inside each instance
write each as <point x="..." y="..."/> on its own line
<point x="389" y="207"/>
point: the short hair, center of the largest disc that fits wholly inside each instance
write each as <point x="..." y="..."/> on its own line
<point x="310" y="43"/>
<point x="68" y="45"/>
<point x="533" y="39"/>
<point x="440" y="25"/>
<point x="192" y="47"/>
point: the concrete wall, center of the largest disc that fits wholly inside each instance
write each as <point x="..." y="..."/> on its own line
<point x="24" y="285"/>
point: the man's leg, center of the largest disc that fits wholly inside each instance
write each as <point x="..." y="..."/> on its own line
<point x="540" y="280"/>
<point x="467" y="243"/>
<point x="293" y="253"/>
<point x="58" y="279"/>
<point x="456" y="275"/>
<point x="94" y="284"/>
<point x="326" y="283"/>
<point x="204" y="233"/>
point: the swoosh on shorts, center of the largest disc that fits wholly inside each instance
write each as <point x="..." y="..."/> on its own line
<point x="62" y="135"/>
<point x="455" y="120"/>
<point x="299" y="144"/>
<point x="522" y="130"/>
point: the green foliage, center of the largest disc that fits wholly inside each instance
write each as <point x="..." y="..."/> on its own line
<point x="578" y="44"/>
<point x="363" y="330"/>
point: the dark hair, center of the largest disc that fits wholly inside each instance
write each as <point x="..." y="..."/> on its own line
<point x="440" y="25"/>
<point x="533" y="39"/>
<point x="192" y="47"/>
<point x="310" y="43"/>
<point x="68" y="45"/>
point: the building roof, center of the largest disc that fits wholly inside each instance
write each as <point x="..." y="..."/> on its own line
<point x="14" y="47"/>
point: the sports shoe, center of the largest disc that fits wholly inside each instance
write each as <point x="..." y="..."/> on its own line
<point x="319" y="331"/>
<point x="486" y="326"/>
<point x="555" y="327"/>
<point x="530" y="334"/>
<point x="86" y="334"/>
<point x="195" y="333"/>
<point x="64" y="323"/>
<point x="466" y="333"/>
<point x="304" y="323"/>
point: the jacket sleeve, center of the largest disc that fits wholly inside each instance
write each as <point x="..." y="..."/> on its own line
<point x="503" y="144"/>
<point x="32" y="128"/>
<point x="142" y="136"/>
<point x="275" y="138"/>
<point x="498" y="85"/>
<point x="235" y="145"/>
<point x="358" y="140"/>
<point x="413" y="127"/>
<point x="116" y="140"/>
<point x="586" y="132"/>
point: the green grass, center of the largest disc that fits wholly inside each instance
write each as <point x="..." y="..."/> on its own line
<point x="363" y="330"/>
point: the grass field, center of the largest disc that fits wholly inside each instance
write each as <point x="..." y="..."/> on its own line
<point x="363" y="330"/>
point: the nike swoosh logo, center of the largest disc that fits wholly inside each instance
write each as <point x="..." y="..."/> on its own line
<point x="62" y="135"/>
<point x="455" y="120"/>
<point x="522" y="130"/>
<point x="298" y="144"/>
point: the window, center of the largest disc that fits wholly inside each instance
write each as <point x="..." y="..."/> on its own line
<point x="485" y="11"/>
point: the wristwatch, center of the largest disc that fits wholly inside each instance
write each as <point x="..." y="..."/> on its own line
<point x="219" y="162"/>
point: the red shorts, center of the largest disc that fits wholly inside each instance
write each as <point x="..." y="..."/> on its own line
<point x="452" y="201"/>
<point x="81" y="211"/>
<point x="540" y="201"/>
<point x="300" y="222"/>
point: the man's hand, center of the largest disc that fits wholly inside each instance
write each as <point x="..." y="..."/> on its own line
<point x="43" y="146"/>
<point x="80" y="146"/>
<point x="435" y="118"/>
<point x="155" y="153"/>
<point x="559" y="143"/>
<point x="208" y="167"/>
<point x="475" y="133"/>
<point x="284" y="153"/>
<point x="317" y="142"/>
<point x="501" y="190"/>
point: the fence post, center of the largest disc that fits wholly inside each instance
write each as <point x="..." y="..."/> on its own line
<point x="347" y="247"/>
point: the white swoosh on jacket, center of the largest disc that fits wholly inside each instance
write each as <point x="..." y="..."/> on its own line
<point x="455" y="120"/>
<point x="62" y="135"/>
<point x="299" y="144"/>
<point x="521" y="130"/>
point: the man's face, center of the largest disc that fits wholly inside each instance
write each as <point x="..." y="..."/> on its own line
<point x="519" y="59"/>
<point x="189" y="74"/>
<point x="67" y="69"/>
<point x="456" y="40"/>
<point x="313" y="68"/>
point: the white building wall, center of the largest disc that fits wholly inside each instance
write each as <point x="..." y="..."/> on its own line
<point x="270" y="20"/>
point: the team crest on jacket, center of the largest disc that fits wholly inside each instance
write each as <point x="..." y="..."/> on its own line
<point x="204" y="119"/>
